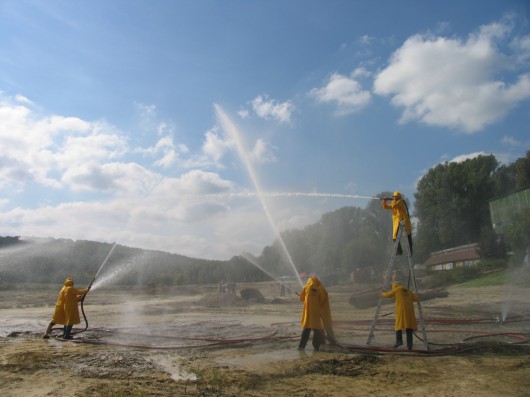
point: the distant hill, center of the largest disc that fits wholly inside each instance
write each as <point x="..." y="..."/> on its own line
<point x="47" y="260"/>
<point x="343" y="240"/>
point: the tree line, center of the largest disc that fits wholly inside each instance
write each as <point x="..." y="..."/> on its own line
<point x="451" y="206"/>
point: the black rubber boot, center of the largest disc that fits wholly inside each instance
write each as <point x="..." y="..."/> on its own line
<point x="399" y="339"/>
<point x="318" y="339"/>
<point x="409" y="338"/>
<point x="305" y="337"/>
<point x="48" y="331"/>
<point x="68" y="332"/>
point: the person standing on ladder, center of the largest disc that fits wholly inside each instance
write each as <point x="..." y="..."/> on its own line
<point x="400" y="212"/>
<point x="405" y="316"/>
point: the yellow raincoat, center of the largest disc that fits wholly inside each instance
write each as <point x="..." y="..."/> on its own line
<point x="405" y="316"/>
<point x="58" y="315"/>
<point x="316" y="313"/>
<point x="399" y="213"/>
<point x="70" y="298"/>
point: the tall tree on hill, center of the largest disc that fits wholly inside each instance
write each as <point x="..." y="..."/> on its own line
<point x="522" y="172"/>
<point x="511" y="177"/>
<point x="373" y="242"/>
<point x="452" y="203"/>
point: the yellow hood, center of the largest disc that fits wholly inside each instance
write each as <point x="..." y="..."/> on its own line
<point x="313" y="281"/>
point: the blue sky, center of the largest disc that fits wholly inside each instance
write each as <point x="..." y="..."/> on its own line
<point x="111" y="112"/>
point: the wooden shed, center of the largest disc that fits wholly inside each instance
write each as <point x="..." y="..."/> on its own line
<point x="465" y="255"/>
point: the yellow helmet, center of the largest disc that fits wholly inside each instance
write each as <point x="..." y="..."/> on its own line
<point x="397" y="195"/>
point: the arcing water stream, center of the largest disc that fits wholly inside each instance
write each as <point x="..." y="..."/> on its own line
<point x="231" y="128"/>
<point x="287" y="195"/>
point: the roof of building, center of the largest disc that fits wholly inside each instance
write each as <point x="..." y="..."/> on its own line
<point x="509" y="194"/>
<point x="457" y="254"/>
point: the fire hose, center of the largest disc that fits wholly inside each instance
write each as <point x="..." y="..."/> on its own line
<point x="446" y="349"/>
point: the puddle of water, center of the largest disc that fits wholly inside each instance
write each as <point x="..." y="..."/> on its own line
<point x="12" y="325"/>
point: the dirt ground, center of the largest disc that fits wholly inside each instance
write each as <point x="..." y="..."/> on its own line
<point x="191" y="341"/>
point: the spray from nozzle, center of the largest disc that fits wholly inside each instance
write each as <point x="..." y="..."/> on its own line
<point x="499" y="320"/>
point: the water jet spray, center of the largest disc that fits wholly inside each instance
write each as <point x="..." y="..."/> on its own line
<point x="231" y="128"/>
<point x="103" y="264"/>
<point x="250" y="258"/>
<point x="90" y="286"/>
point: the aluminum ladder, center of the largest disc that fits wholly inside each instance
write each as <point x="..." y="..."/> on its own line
<point x="385" y="283"/>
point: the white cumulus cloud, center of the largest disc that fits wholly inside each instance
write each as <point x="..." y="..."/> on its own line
<point x="454" y="82"/>
<point x="216" y="144"/>
<point x="271" y="109"/>
<point x="263" y="152"/>
<point x="345" y="92"/>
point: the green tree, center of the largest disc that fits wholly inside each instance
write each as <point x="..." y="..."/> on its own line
<point x="522" y="172"/>
<point x="452" y="203"/>
<point x="491" y="245"/>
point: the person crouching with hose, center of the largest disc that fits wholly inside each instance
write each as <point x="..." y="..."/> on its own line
<point x="66" y="309"/>
<point x="400" y="212"/>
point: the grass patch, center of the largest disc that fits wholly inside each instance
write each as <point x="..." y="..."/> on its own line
<point x="516" y="277"/>
<point x="487" y="280"/>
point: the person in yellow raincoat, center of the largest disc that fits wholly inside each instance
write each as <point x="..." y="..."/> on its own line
<point x="400" y="212"/>
<point x="71" y="310"/>
<point x="58" y="315"/>
<point x="316" y="314"/>
<point x="404" y="311"/>
<point x="66" y="310"/>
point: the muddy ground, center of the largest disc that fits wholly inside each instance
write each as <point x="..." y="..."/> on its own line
<point x="192" y="342"/>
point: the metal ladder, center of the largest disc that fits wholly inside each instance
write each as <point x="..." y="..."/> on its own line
<point x="385" y="281"/>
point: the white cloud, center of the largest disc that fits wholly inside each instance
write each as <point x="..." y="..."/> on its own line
<point x="510" y="141"/>
<point x="521" y="46"/>
<point x="366" y="39"/>
<point x="503" y="158"/>
<point x="145" y="111"/>
<point x="463" y="157"/>
<point x="202" y="182"/>
<point x="40" y="149"/>
<point x="23" y="99"/>
<point x="262" y="152"/>
<point x="215" y="144"/>
<point x="507" y="158"/>
<point x="361" y="72"/>
<point x="169" y="153"/>
<point x="270" y="109"/>
<point x="451" y="82"/>
<point x="345" y="92"/>
<point x="61" y="159"/>
<point x="243" y="113"/>
<point x="118" y="178"/>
